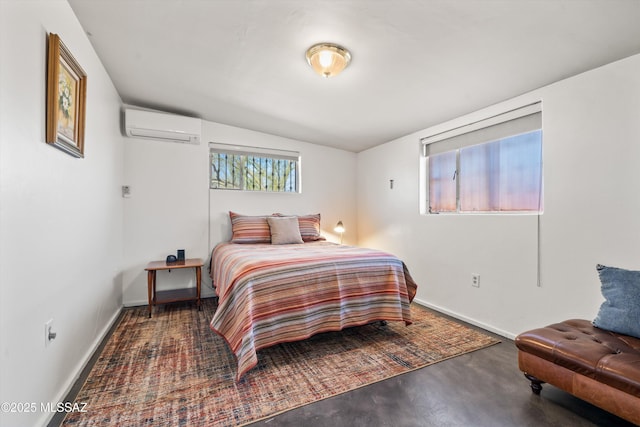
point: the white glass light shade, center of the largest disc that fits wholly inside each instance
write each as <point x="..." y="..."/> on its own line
<point x="328" y="59"/>
<point x="339" y="227"/>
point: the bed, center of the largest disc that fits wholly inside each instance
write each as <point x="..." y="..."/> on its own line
<point x="274" y="293"/>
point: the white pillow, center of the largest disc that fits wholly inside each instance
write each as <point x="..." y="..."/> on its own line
<point x="284" y="230"/>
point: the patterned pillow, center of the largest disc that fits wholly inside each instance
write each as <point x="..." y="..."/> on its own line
<point x="249" y="229"/>
<point x="309" y="226"/>
<point x="620" y="312"/>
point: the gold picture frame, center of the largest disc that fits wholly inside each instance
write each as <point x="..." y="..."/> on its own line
<point x="66" y="99"/>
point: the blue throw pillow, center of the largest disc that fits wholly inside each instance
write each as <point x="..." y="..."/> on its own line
<point x="620" y="312"/>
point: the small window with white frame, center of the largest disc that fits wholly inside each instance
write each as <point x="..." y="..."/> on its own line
<point x="236" y="167"/>
<point x="489" y="166"/>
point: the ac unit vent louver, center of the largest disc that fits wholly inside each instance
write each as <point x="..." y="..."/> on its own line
<point x="162" y="126"/>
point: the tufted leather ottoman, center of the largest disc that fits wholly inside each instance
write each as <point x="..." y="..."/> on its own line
<point x="593" y="364"/>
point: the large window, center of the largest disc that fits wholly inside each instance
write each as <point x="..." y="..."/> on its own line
<point x="493" y="165"/>
<point x="254" y="169"/>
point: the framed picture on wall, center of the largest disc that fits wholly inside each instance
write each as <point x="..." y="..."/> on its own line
<point x="66" y="98"/>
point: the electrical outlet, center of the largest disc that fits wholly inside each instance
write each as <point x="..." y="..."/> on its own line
<point x="475" y="280"/>
<point x="49" y="335"/>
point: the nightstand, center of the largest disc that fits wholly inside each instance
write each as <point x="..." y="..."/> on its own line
<point x="173" y="295"/>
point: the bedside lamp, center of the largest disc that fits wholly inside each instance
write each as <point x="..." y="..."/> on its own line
<point x="339" y="229"/>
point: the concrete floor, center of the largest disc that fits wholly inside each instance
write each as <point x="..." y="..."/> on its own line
<point x="483" y="388"/>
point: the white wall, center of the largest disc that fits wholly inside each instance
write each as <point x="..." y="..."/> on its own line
<point x="167" y="211"/>
<point x="172" y="208"/>
<point x="591" y="147"/>
<point x="60" y="217"/>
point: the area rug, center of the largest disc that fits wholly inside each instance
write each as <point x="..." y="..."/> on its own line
<point x="172" y="370"/>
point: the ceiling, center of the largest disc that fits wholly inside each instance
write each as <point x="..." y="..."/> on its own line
<point x="415" y="63"/>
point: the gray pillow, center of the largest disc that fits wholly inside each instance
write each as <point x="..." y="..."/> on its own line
<point x="620" y="312"/>
<point x="284" y="230"/>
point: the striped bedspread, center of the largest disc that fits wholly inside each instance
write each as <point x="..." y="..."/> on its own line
<point x="269" y="294"/>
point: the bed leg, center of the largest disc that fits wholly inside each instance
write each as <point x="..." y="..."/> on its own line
<point x="536" y="384"/>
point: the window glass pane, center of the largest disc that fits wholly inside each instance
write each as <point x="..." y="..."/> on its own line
<point x="521" y="172"/>
<point x="224" y="171"/>
<point x="502" y="175"/>
<point x="479" y="177"/>
<point x="232" y="171"/>
<point x="442" y="184"/>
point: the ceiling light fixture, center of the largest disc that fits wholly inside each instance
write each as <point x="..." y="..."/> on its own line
<point x="328" y="59"/>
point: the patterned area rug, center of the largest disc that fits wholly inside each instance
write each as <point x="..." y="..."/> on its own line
<point x="173" y="370"/>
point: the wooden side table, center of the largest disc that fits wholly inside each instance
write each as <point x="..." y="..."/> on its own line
<point x="173" y="295"/>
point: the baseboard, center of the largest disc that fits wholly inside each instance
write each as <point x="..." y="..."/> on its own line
<point x="465" y="319"/>
<point x="84" y="361"/>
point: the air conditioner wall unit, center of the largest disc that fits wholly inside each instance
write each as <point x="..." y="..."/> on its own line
<point x="162" y="126"/>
